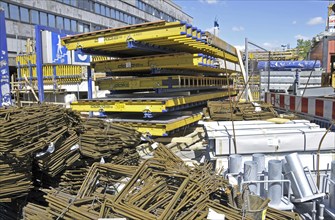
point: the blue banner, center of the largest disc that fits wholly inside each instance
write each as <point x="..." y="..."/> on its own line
<point x="5" y="94"/>
<point x="288" y="65"/>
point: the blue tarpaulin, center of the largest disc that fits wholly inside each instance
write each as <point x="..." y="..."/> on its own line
<point x="288" y="65"/>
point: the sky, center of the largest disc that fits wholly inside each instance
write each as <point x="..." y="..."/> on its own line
<point x="269" y="24"/>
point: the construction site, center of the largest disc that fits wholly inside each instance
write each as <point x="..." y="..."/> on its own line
<point x="143" y="115"/>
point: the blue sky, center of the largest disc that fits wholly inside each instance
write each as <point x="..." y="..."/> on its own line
<point x="267" y="23"/>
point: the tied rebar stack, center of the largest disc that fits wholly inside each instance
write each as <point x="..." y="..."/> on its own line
<point x="28" y="134"/>
<point x="48" y="145"/>
<point x="101" y="139"/>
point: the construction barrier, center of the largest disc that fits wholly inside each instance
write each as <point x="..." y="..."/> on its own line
<point x="319" y="107"/>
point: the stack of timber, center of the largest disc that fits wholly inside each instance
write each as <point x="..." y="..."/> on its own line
<point x="158" y="68"/>
<point x="162" y="187"/>
<point x="227" y="111"/>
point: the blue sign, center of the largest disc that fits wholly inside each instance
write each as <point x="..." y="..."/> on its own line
<point x="59" y="52"/>
<point x="5" y="94"/>
<point x="80" y="58"/>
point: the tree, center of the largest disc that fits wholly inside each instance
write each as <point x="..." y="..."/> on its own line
<point x="303" y="46"/>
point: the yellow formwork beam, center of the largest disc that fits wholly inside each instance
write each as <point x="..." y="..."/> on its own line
<point x="176" y="35"/>
<point x="160" y="82"/>
<point x="121" y="37"/>
<point x="162" y="129"/>
<point x="144" y="104"/>
<point x="188" y="61"/>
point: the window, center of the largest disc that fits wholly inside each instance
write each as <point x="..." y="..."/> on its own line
<point x="43" y="19"/>
<point x="66" y="1"/>
<point x="141" y="5"/>
<point x="97" y="8"/>
<point x="4" y="5"/>
<point x="73" y="3"/>
<point x="80" y="27"/>
<point x="67" y="25"/>
<point x="113" y="13"/>
<point x="97" y="27"/>
<point x="14" y="12"/>
<point x="59" y="22"/>
<point x="24" y="14"/>
<point x="121" y="16"/>
<point x="103" y="10"/>
<point x="74" y="25"/>
<point x="86" y="5"/>
<point x="51" y="20"/>
<point x="117" y="15"/>
<point x="86" y="28"/>
<point x="108" y="12"/>
<point x="34" y="17"/>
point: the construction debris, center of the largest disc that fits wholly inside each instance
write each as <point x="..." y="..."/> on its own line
<point x="227" y="111"/>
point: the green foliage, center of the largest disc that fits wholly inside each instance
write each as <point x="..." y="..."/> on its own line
<point x="303" y="46"/>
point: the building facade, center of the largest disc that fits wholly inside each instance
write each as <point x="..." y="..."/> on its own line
<point x="80" y="16"/>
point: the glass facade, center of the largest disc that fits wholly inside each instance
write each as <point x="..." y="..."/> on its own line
<point x="153" y="11"/>
<point x="32" y="16"/>
<point x="104" y="10"/>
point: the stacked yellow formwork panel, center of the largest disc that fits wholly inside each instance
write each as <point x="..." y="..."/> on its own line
<point x="199" y="58"/>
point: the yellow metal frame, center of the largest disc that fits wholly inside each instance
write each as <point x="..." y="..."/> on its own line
<point x="291" y="54"/>
<point x="68" y="73"/>
<point x="333" y="80"/>
<point x="24" y="59"/>
<point x="157" y="129"/>
<point x="160" y="82"/>
<point x="150" y="104"/>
